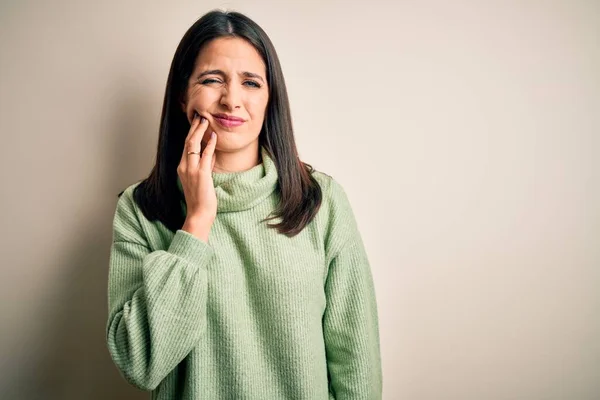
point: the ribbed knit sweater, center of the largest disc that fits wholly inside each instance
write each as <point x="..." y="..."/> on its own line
<point x="251" y="314"/>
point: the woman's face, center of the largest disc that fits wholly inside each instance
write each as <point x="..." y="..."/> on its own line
<point x="229" y="78"/>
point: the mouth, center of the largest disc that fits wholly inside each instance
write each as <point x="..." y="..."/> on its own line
<point x="228" y="121"/>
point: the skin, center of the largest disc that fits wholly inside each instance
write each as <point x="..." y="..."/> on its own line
<point x="230" y="149"/>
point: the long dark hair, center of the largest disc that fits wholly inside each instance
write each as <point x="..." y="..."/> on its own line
<point x="159" y="197"/>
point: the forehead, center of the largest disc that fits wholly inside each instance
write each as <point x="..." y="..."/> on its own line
<point x="230" y="54"/>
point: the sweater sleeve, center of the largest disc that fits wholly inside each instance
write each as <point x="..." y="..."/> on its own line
<point x="156" y="299"/>
<point x="350" y="321"/>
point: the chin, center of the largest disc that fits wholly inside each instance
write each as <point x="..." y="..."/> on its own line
<point x="231" y="142"/>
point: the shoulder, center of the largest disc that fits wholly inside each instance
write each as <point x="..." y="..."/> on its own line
<point x="335" y="197"/>
<point x="125" y="201"/>
<point x="335" y="214"/>
<point x="330" y="186"/>
<point x="126" y="224"/>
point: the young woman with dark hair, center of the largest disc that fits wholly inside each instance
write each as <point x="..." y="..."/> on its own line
<point x="206" y="299"/>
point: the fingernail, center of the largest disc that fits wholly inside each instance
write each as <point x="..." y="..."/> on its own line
<point x="212" y="135"/>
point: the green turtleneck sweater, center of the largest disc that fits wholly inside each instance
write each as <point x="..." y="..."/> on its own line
<point x="251" y="314"/>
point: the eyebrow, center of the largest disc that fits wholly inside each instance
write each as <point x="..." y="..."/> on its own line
<point x="247" y="74"/>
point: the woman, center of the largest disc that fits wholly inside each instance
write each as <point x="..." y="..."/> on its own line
<point x="207" y="300"/>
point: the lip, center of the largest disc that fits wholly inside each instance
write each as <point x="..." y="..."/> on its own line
<point x="228" y="117"/>
<point x="228" y="121"/>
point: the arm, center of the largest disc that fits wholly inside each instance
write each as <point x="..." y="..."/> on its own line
<point x="156" y="300"/>
<point x="350" y="321"/>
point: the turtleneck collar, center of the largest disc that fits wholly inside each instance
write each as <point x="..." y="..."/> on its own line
<point x="237" y="191"/>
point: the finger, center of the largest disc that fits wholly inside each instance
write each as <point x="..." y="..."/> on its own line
<point x="207" y="160"/>
<point x="184" y="155"/>
<point x="194" y="143"/>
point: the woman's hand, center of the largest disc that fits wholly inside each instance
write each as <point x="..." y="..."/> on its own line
<point x="195" y="173"/>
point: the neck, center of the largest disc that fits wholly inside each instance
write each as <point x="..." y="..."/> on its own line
<point x="237" y="161"/>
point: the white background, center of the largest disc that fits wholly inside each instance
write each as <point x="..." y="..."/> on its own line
<point x="466" y="135"/>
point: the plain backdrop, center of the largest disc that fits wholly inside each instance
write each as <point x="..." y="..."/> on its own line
<point x="466" y="134"/>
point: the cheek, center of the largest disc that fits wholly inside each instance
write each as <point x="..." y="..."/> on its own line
<point x="257" y="108"/>
<point x="201" y="99"/>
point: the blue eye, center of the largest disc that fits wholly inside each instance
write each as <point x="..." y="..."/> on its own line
<point x="253" y="83"/>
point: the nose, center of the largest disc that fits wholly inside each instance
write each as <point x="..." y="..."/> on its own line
<point x="231" y="97"/>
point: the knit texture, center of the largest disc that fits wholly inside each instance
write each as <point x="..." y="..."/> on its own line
<point x="252" y="314"/>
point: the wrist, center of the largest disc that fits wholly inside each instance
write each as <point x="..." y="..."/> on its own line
<point x="198" y="226"/>
<point x="198" y="220"/>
